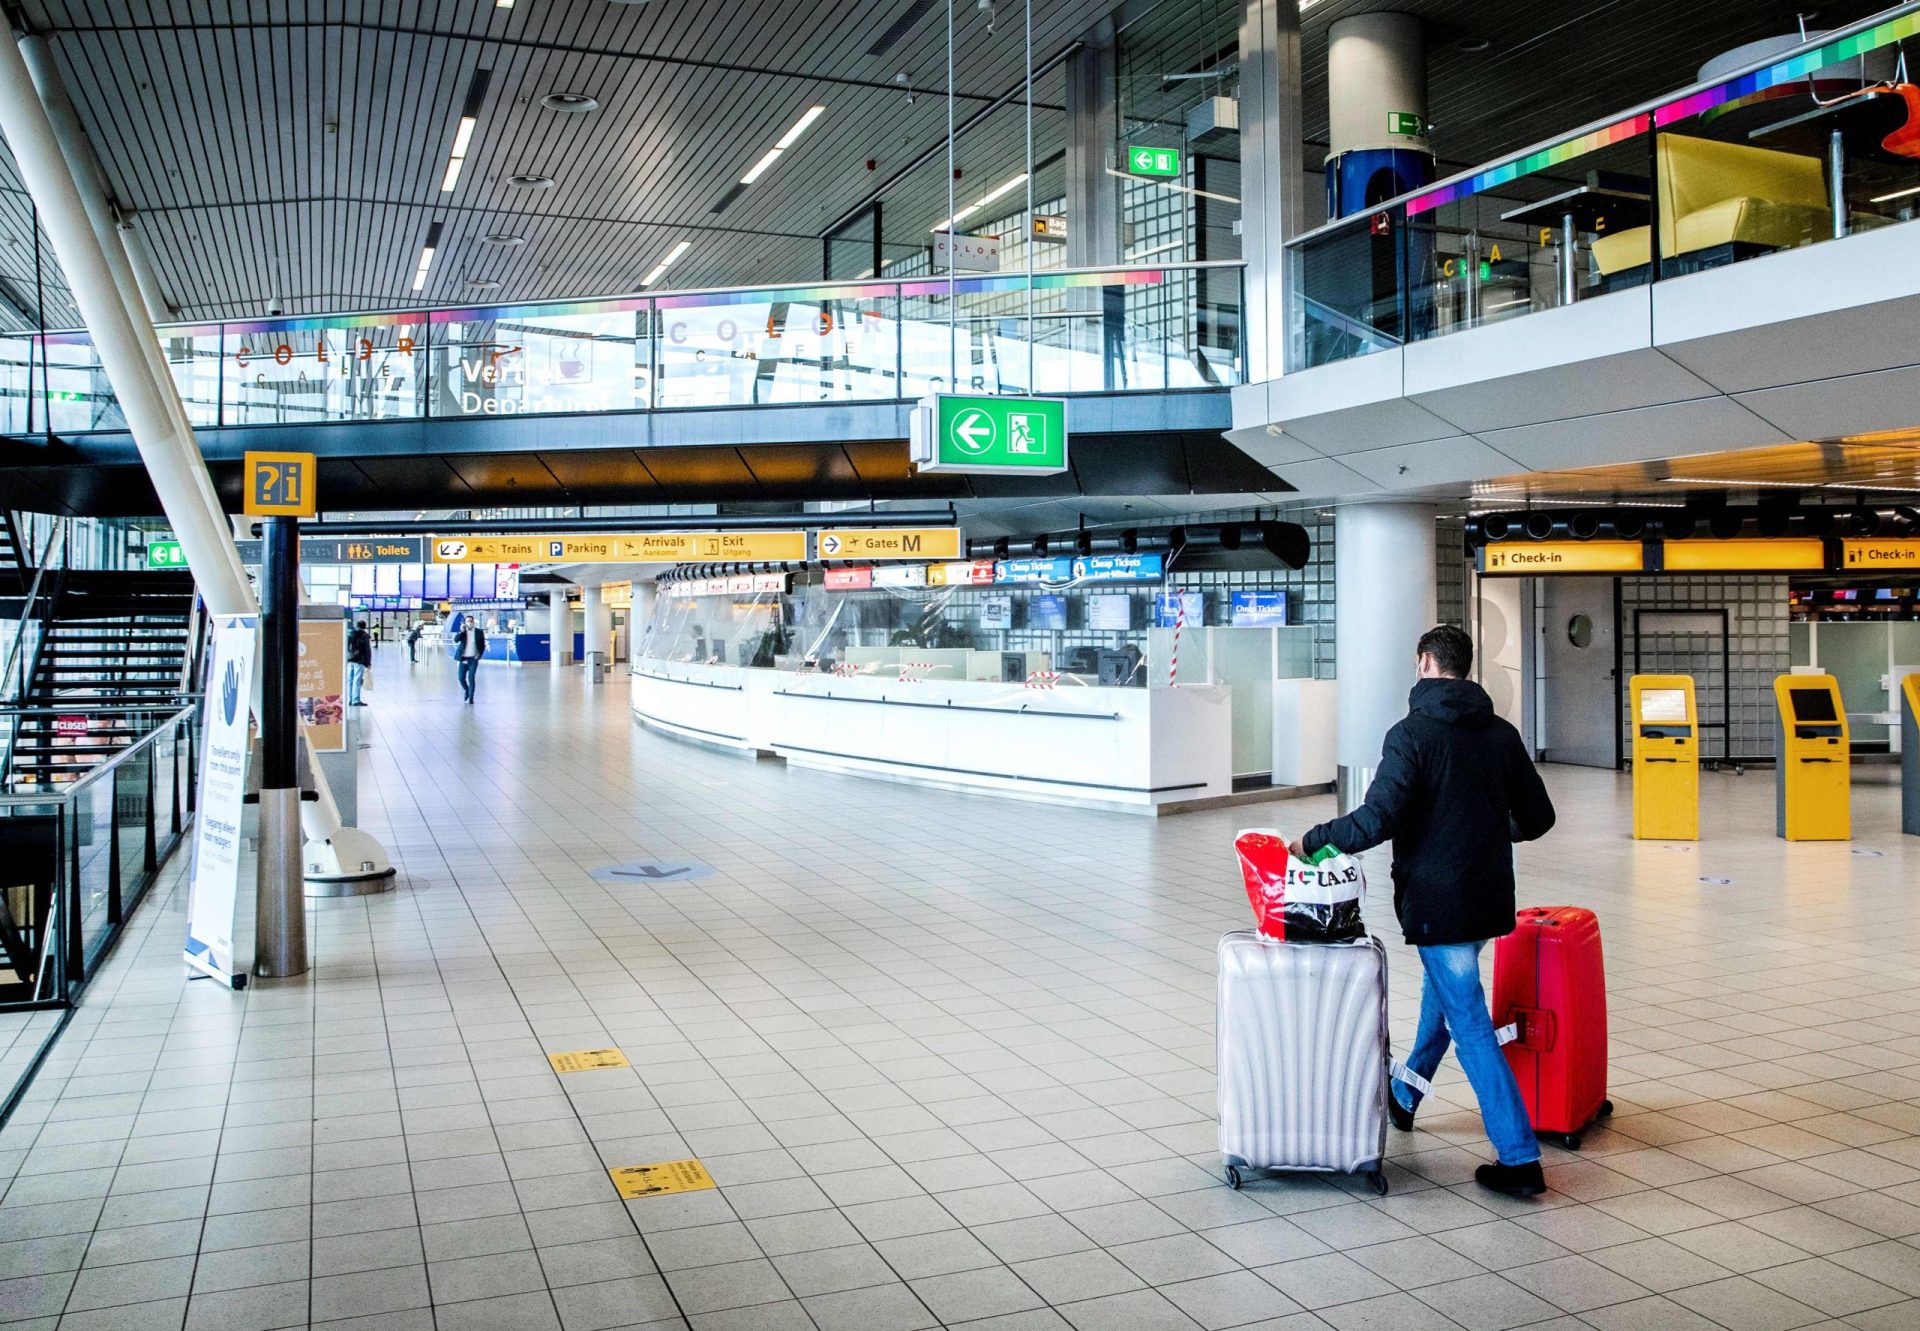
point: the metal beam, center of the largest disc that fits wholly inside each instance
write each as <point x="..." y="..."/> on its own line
<point x="682" y="522"/>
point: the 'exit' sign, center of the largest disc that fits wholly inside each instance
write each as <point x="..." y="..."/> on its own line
<point x="165" y="554"/>
<point x="1405" y="122"/>
<point x="1145" y="161"/>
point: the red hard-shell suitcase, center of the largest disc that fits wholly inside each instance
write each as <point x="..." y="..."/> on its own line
<point x="1550" y="981"/>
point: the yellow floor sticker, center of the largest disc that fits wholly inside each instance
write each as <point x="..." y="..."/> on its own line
<point x="579" y="1060"/>
<point x="663" y="1177"/>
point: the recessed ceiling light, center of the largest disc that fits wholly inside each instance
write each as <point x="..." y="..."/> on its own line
<point x="504" y="240"/>
<point x="528" y="181"/>
<point x="482" y="284"/>
<point x="1472" y="45"/>
<point x="573" y="103"/>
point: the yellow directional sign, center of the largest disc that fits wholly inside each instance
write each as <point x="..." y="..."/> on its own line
<point x="660" y="547"/>
<point x="666" y="1176"/>
<point x="1709" y="554"/>
<point x="1536" y="557"/>
<point x="694" y="546"/>
<point x="279" y="485"/>
<point x="1880" y="552"/>
<point x="582" y="1060"/>
<point x="889" y="543"/>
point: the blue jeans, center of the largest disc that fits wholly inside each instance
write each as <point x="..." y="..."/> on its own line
<point x="1451" y="1000"/>
<point x="469" y="670"/>
<point x="356" y="676"/>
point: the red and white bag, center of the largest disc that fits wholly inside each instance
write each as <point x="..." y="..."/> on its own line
<point x="1298" y="900"/>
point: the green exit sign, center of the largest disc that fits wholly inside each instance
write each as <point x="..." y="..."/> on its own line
<point x="1144" y="161"/>
<point x="1405" y="122"/>
<point x="958" y="432"/>
<point x="165" y="554"/>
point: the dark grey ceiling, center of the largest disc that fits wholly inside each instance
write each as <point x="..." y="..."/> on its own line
<point x="294" y="148"/>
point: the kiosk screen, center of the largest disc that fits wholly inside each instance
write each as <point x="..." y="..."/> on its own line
<point x="1657" y="705"/>
<point x="1813" y="705"/>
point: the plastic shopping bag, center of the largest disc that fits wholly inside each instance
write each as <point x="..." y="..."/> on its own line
<point x="1294" y="900"/>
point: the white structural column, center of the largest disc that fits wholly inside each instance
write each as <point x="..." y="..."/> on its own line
<point x="166" y="447"/>
<point x="559" y="627"/>
<point x="594" y="622"/>
<point x="1383" y="581"/>
<point x="1272" y="174"/>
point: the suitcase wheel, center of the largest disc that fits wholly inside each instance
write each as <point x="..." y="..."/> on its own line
<point x="1233" y="1177"/>
<point x="1570" y="1140"/>
<point x="1606" y="1109"/>
<point x="1377" y="1180"/>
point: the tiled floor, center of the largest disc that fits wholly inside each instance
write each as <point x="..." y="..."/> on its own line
<point x="950" y="1061"/>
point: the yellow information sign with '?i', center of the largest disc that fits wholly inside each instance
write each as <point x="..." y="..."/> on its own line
<point x="659" y="1179"/>
<point x="581" y="1060"/>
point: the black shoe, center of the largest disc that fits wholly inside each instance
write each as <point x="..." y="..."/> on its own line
<point x="1513" y="1180"/>
<point x="1400" y="1115"/>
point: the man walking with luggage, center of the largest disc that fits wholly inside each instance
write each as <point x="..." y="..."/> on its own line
<point x="1454" y="789"/>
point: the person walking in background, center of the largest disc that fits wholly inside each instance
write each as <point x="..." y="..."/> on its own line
<point x="359" y="661"/>
<point x="472" y="646"/>
<point x="413" y="644"/>
<point x="1454" y="790"/>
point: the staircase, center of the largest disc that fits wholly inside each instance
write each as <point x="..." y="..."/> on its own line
<point x="110" y="661"/>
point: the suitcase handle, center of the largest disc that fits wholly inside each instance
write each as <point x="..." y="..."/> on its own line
<point x="1537" y="1029"/>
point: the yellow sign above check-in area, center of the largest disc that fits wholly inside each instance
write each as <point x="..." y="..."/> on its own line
<point x="1880" y="552"/>
<point x="667" y="1176"/>
<point x="659" y="547"/>
<point x="1533" y="557"/>
<point x="1779" y="554"/>
<point x="889" y="543"/>
<point x="279" y="485"/>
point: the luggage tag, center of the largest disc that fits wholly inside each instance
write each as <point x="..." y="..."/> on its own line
<point x="1400" y="1072"/>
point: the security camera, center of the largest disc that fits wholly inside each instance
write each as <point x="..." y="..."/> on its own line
<point x="274" y="309"/>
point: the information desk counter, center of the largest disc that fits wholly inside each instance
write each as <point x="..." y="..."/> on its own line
<point x="1132" y="748"/>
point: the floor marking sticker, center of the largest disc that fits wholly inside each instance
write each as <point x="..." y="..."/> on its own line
<point x="580" y="1060"/>
<point x="664" y="1177"/>
<point x="1869" y="854"/>
<point x="677" y="871"/>
<point x="1715" y="882"/>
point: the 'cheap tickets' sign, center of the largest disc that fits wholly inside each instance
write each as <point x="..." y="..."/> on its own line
<point x="658" y="547"/>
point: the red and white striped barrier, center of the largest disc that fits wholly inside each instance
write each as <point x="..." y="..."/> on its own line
<point x="845" y="669"/>
<point x="1179" y="624"/>
<point x="905" y="666"/>
<point x="1043" y="679"/>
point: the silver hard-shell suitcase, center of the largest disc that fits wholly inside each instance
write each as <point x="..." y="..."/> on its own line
<point x="1302" y="1033"/>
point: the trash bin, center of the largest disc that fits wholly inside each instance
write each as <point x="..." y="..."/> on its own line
<point x="596" y="667"/>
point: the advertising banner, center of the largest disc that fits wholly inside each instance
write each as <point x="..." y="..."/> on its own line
<point x="322" y="683"/>
<point x="214" y="886"/>
<point x="1258" y="610"/>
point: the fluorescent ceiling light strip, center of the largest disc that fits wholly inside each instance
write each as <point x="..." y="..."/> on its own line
<point x="1897" y="194"/>
<point x="659" y="269"/>
<point x="982" y="202"/>
<point x="760" y="167"/>
<point x="426" y="262"/>
<point x="457" y="158"/>
<point x="800" y="127"/>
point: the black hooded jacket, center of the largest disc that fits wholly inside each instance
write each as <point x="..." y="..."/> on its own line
<point x="1454" y="789"/>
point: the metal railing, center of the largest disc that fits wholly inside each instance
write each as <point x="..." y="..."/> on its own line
<point x="78" y="859"/>
<point x="29" y="634"/>
<point x="1788" y="151"/>
<point x="1151" y="329"/>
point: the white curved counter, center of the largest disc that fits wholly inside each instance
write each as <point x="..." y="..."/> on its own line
<point x="1137" y="749"/>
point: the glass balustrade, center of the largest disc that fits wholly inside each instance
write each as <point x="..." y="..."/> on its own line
<point x="1811" y="147"/>
<point x="1076" y="331"/>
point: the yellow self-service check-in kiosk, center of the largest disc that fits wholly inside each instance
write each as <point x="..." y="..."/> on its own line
<point x="1814" y="763"/>
<point x="1666" y="758"/>
<point x="1910" y="755"/>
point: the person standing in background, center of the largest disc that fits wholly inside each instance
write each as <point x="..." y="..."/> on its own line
<point x="472" y="646"/>
<point x="413" y="644"/>
<point x="359" y="661"/>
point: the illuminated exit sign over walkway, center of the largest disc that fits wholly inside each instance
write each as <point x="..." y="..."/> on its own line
<point x="967" y="432"/>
